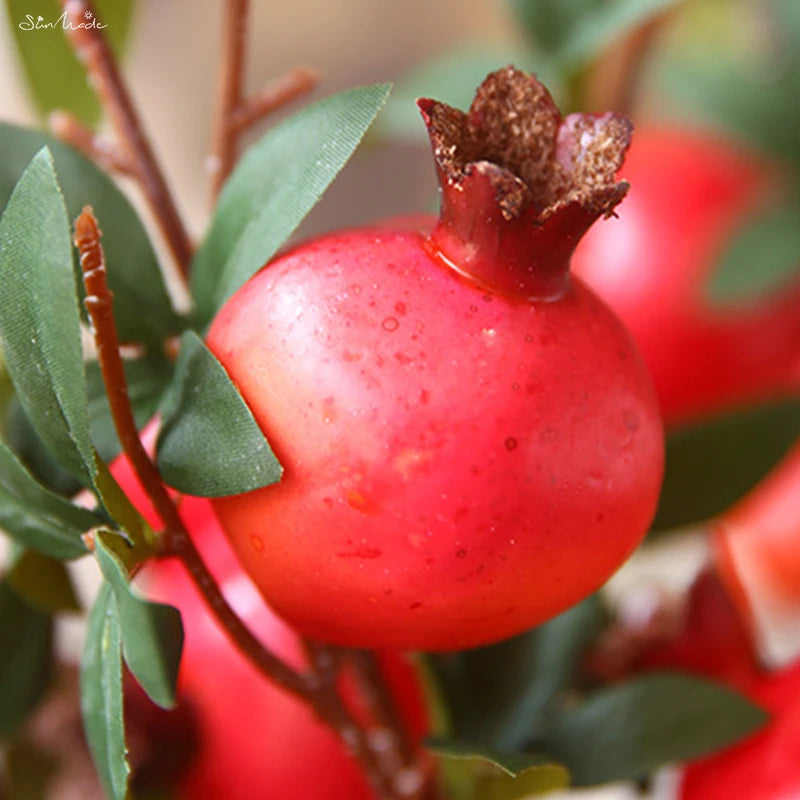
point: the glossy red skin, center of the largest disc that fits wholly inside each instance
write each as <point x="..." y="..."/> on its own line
<point x="459" y="465"/>
<point x="255" y="740"/>
<point x="766" y="765"/>
<point x="690" y="193"/>
<point x="757" y="542"/>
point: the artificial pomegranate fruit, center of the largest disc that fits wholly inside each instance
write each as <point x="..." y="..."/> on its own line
<point x="764" y="766"/>
<point x="470" y="440"/>
<point x="251" y="739"/>
<point x="690" y="194"/>
<point x="757" y="548"/>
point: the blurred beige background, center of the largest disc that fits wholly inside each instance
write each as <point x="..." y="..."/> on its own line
<point x="170" y="67"/>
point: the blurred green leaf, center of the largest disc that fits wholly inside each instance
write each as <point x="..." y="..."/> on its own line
<point x="711" y="464"/>
<point x="749" y="87"/>
<point x="627" y="731"/>
<point x="26" y="640"/>
<point x="39" y="321"/>
<point x="572" y="33"/>
<point x="29" y="771"/>
<point x="142" y="308"/>
<point x="210" y="444"/>
<point x="101" y="695"/>
<point x="37" y="518"/>
<point x="499" y="696"/>
<point x="43" y="582"/>
<point x="452" y="78"/>
<point x="761" y="258"/>
<point x="34" y="455"/>
<point x="499" y="776"/>
<point x="147" y="379"/>
<point x="276" y="183"/>
<point x="55" y="77"/>
<point x="152" y="633"/>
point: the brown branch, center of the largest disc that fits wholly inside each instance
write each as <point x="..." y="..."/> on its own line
<point x="390" y="738"/>
<point x="92" y="49"/>
<point x="99" y="305"/>
<point x="99" y="149"/>
<point x="318" y="687"/>
<point x="273" y="96"/>
<point x="229" y="92"/>
<point x="234" y="113"/>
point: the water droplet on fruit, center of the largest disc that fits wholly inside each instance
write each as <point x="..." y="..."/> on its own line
<point x="355" y="289"/>
<point x="462" y="553"/>
<point x="515" y="387"/>
<point x="549" y="435"/>
<point x="487" y="298"/>
<point x="511" y="443"/>
<point x="400" y="308"/>
<point x="414" y="606"/>
<point x="356" y="500"/>
<point x="258" y="544"/>
<point x="631" y="419"/>
<point x="390" y="324"/>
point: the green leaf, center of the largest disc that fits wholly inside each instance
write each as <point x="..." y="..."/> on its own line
<point x="452" y="78"/>
<point x="34" y="455"/>
<point x="147" y="380"/>
<point x="29" y="771"/>
<point x="499" y="776"/>
<point x="710" y="465"/>
<point x="152" y="633"/>
<point x="39" y="322"/>
<point x="55" y="77"/>
<point x="574" y="32"/>
<point x="101" y="695"/>
<point x="629" y="730"/>
<point x="276" y="183"/>
<point x="26" y="640"/>
<point x="761" y="258"/>
<point x="748" y="90"/>
<point x="209" y="444"/>
<point x="43" y="582"/>
<point x="142" y="307"/>
<point x="499" y="696"/>
<point x="37" y="518"/>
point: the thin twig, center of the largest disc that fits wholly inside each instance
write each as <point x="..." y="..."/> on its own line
<point x="99" y="305"/>
<point x="276" y="94"/>
<point x="390" y="738"/>
<point x="235" y="113"/>
<point x="229" y="91"/>
<point x="93" y="50"/>
<point x="99" y="149"/>
<point x="318" y="687"/>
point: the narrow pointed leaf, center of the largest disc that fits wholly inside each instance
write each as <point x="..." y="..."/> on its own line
<point x="574" y="32"/>
<point x="628" y="731"/>
<point x="101" y="695"/>
<point x="761" y="259"/>
<point x="37" y="518"/>
<point x="39" y="321"/>
<point x="276" y="183"/>
<point x="498" y="695"/>
<point x="503" y="776"/>
<point x="26" y="640"/>
<point x="711" y="464"/>
<point x="142" y="307"/>
<point x="152" y="633"/>
<point x="43" y="582"/>
<point x="210" y="444"/>
<point x="55" y="76"/>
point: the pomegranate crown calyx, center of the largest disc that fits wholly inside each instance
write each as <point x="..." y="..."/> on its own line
<point x="537" y="162"/>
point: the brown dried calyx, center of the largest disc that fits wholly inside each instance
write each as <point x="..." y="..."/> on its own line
<point x="516" y="136"/>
